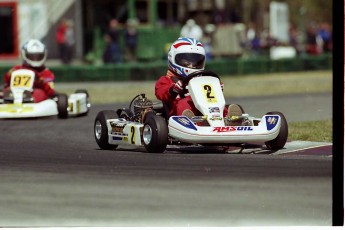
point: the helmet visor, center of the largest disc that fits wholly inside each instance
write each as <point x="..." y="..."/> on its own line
<point x="190" y="60"/>
<point x="35" y="56"/>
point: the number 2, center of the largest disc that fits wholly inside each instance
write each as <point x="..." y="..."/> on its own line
<point x="133" y="135"/>
<point x="208" y="91"/>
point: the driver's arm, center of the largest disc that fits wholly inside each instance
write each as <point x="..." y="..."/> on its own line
<point x="162" y="89"/>
<point x="41" y="83"/>
<point x="7" y="77"/>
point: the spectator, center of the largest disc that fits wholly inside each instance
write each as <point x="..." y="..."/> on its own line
<point x="326" y="36"/>
<point x="252" y="42"/>
<point x="131" y="37"/>
<point x="191" y="30"/>
<point x="61" y="40"/>
<point x="207" y="40"/>
<point x="112" y="52"/>
<point x="311" y="41"/>
<point x="69" y="40"/>
<point x="293" y="38"/>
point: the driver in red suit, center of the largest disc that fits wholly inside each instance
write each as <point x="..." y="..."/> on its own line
<point x="185" y="56"/>
<point x="34" y="54"/>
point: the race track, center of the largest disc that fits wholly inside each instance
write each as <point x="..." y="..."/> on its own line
<point x="53" y="174"/>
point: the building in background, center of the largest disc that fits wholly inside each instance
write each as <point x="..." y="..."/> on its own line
<point x="21" y="20"/>
<point x="158" y="19"/>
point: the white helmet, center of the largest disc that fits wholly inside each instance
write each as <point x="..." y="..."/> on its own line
<point x="34" y="53"/>
<point x="185" y="56"/>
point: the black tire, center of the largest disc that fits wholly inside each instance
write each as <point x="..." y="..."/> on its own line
<point x="101" y="130"/>
<point x="87" y="99"/>
<point x="62" y="105"/>
<point x="280" y="141"/>
<point x="155" y="134"/>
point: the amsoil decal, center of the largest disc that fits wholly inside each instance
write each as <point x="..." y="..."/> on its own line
<point x="225" y="129"/>
<point x="271" y="122"/>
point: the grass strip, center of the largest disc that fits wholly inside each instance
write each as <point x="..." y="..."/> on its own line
<point x="319" y="131"/>
<point x="235" y="86"/>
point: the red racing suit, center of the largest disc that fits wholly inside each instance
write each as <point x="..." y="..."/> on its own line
<point x="42" y="88"/>
<point x="175" y="103"/>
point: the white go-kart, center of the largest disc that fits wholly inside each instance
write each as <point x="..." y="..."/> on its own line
<point x="19" y="103"/>
<point x="146" y="124"/>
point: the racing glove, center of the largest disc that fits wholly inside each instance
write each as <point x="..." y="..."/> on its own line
<point x="176" y="88"/>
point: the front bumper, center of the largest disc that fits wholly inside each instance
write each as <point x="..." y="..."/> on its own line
<point x="183" y="129"/>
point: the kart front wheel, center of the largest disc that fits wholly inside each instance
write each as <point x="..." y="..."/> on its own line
<point x="62" y="105"/>
<point x="101" y="129"/>
<point x="280" y="140"/>
<point x="155" y="134"/>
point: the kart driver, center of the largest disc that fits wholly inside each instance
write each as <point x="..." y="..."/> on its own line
<point x="34" y="54"/>
<point x="185" y="56"/>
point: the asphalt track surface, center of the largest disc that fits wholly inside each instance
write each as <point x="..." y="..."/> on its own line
<point x="52" y="173"/>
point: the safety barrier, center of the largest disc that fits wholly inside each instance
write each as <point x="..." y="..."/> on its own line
<point x="142" y="71"/>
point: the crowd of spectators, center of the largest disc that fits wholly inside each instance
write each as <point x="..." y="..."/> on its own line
<point x="315" y="40"/>
<point x="113" y="52"/>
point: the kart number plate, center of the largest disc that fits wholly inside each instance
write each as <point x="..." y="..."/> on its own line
<point x="209" y="93"/>
<point x="22" y="81"/>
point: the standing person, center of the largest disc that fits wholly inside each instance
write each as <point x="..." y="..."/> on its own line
<point x="34" y="54"/>
<point x="326" y="36"/>
<point x="312" y="41"/>
<point x="61" y="40"/>
<point x="192" y="30"/>
<point x="70" y="41"/>
<point x="185" y="56"/>
<point x="131" y="37"/>
<point x="112" y="53"/>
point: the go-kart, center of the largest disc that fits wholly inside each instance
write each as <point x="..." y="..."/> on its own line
<point x="148" y="124"/>
<point x="19" y="102"/>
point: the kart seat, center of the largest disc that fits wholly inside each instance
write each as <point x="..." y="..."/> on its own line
<point x="162" y="108"/>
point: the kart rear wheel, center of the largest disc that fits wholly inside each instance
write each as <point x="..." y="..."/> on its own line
<point x="155" y="134"/>
<point x="280" y="140"/>
<point x="62" y="105"/>
<point x="101" y="129"/>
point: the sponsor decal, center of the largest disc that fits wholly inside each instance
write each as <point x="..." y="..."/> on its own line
<point x="225" y="129"/>
<point x="185" y="122"/>
<point x="216" y="117"/>
<point x="213" y="109"/>
<point x="119" y="134"/>
<point x="271" y="121"/>
<point x="117" y="138"/>
<point x="117" y="127"/>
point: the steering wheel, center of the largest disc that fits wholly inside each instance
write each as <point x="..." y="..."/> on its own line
<point x="199" y="73"/>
